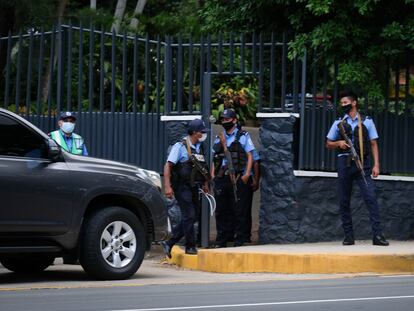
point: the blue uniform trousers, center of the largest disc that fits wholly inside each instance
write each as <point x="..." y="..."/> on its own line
<point x="346" y="177"/>
<point x="189" y="203"/>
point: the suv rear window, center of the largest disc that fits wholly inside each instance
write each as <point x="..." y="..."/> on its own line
<point x="19" y="141"/>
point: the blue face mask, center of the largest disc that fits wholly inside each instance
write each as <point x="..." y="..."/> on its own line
<point x="68" y="127"/>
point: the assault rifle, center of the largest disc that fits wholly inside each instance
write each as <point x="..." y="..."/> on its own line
<point x="199" y="168"/>
<point x="354" y="154"/>
<point x="232" y="171"/>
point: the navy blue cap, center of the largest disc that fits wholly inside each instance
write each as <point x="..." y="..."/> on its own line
<point x="198" y="125"/>
<point x="228" y="113"/>
<point x="67" y="114"/>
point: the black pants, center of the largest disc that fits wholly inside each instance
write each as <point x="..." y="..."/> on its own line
<point x="189" y="203"/>
<point x="346" y="176"/>
<point x="232" y="218"/>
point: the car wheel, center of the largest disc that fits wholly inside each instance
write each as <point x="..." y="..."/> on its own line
<point x="112" y="244"/>
<point x="32" y="263"/>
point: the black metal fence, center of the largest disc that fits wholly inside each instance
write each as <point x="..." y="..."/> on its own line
<point x="120" y="85"/>
<point x="113" y="82"/>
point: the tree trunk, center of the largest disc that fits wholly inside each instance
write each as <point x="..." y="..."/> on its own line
<point x="119" y="15"/>
<point x="53" y="59"/>
<point x="138" y="11"/>
<point x="93" y="5"/>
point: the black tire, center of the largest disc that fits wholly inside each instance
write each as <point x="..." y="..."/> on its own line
<point x="26" y="263"/>
<point x="91" y="257"/>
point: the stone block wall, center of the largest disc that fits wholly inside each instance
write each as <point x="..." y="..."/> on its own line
<point x="176" y="130"/>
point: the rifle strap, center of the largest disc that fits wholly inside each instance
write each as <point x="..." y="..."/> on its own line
<point x="223" y="142"/>
<point x="188" y="146"/>
<point x="361" y="140"/>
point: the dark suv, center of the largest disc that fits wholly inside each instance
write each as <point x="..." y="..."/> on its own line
<point x="103" y="214"/>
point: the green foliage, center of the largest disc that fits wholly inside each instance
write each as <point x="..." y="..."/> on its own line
<point x="239" y="93"/>
<point x="318" y="7"/>
<point x="365" y="7"/>
<point x="169" y="17"/>
<point x="99" y="18"/>
<point x="357" y="34"/>
<point x="353" y="72"/>
<point x="24" y="14"/>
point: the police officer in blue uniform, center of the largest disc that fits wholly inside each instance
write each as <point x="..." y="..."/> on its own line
<point x="66" y="138"/>
<point x="363" y="134"/>
<point x="183" y="178"/>
<point x="231" y="212"/>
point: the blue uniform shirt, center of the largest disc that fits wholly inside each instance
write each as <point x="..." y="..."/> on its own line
<point x="256" y="156"/>
<point x="179" y="152"/>
<point x="69" y="141"/>
<point x="334" y="134"/>
<point x="244" y="140"/>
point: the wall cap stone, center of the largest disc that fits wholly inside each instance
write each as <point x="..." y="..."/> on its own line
<point x="180" y="117"/>
<point x="276" y="115"/>
<point x="299" y="173"/>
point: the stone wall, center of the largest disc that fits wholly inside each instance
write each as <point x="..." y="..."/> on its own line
<point x="317" y="203"/>
<point x="305" y="209"/>
<point x="176" y="130"/>
<point x="277" y="207"/>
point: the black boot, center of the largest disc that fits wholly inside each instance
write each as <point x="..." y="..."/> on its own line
<point x="380" y="240"/>
<point x="220" y="244"/>
<point x="191" y="250"/>
<point x="348" y="240"/>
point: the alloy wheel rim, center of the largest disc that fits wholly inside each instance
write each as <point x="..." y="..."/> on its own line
<point x="118" y="244"/>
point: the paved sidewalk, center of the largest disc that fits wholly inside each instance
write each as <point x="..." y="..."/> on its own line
<point x="327" y="257"/>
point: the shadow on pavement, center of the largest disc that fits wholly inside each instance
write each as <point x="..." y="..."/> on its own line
<point x="59" y="272"/>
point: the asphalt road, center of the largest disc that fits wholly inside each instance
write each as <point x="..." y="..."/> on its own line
<point x="163" y="287"/>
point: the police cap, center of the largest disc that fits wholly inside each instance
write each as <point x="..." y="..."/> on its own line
<point x="229" y="113"/>
<point x="67" y="114"/>
<point x="198" y="125"/>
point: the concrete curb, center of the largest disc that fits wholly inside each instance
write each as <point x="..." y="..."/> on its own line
<point x="230" y="261"/>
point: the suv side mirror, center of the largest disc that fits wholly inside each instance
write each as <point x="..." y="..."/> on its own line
<point x="53" y="151"/>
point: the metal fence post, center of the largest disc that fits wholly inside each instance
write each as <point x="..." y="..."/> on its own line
<point x="29" y="75"/>
<point x="302" y="113"/>
<point x="205" y="208"/>
<point x="18" y="72"/>
<point x="168" y="75"/>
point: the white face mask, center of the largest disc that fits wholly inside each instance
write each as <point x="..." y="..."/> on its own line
<point x="203" y="137"/>
<point x="68" y="127"/>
